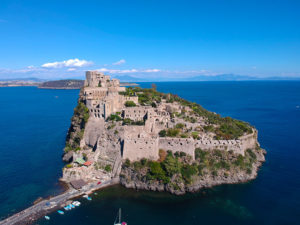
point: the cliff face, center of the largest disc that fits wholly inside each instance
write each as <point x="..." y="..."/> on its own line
<point x="155" y="141"/>
<point x="76" y="130"/>
<point x="178" y="174"/>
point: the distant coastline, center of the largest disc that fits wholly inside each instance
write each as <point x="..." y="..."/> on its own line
<point x="56" y="84"/>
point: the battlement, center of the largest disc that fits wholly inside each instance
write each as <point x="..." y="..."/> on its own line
<point x="98" y="79"/>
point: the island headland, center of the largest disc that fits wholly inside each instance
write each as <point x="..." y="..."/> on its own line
<point x="154" y="141"/>
<point x="54" y="84"/>
<point x="144" y="139"/>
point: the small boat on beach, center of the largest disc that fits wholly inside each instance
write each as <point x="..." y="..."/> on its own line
<point x="60" y="212"/>
<point x="118" y="219"/>
<point x="47" y="217"/>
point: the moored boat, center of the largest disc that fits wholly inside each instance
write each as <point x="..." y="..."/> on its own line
<point x="76" y="203"/>
<point x="119" y="219"/>
<point x="87" y="197"/>
<point x="60" y="212"/>
<point x="47" y="217"/>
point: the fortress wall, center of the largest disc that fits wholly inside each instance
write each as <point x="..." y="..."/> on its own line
<point x="249" y="141"/>
<point x="138" y="148"/>
<point x="186" y="145"/>
<point x="223" y="145"/>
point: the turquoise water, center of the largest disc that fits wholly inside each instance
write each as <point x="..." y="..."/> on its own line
<point x="32" y="137"/>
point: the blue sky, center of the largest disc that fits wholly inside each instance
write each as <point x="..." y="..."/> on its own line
<point x="62" y="39"/>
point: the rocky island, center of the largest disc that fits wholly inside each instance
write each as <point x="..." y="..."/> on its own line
<point x="154" y="141"/>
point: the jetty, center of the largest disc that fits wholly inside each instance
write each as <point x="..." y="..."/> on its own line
<point x="47" y="206"/>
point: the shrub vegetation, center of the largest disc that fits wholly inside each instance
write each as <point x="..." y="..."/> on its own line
<point x="130" y="104"/>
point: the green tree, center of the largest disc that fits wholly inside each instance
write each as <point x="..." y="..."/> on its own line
<point x="172" y="132"/>
<point x="157" y="172"/>
<point x="172" y="165"/>
<point x="179" y="125"/>
<point x="130" y="104"/>
<point x="187" y="171"/>
<point x="107" y="168"/>
<point x="162" y="133"/>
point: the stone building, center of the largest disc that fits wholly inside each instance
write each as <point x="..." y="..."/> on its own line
<point x="101" y="95"/>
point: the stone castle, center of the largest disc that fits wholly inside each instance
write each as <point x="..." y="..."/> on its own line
<point x="106" y="142"/>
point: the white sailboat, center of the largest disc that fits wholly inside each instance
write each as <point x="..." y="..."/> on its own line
<point x="118" y="219"/>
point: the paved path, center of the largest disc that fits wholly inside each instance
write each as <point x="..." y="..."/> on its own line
<point x="28" y="215"/>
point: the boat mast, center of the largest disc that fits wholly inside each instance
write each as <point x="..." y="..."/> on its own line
<point x="120" y="215"/>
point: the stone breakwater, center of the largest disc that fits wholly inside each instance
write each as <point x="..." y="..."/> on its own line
<point x="31" y="214"/>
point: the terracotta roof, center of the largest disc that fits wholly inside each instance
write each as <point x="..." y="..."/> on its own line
<point x="88" y="163"/>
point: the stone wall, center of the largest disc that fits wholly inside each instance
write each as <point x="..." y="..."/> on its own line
<point x="223" y="145"/>
<point x="186" y="145"/>
<point x="249" y="141"/>
<point x="138" y="148"/>
<point x="141" y="147"/>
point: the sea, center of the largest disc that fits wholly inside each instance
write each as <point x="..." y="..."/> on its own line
<point x="33" y="127"/>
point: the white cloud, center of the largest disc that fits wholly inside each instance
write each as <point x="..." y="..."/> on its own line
<point x="128" y="70"/>
<point x="71" y="69"/>
<point x="67" y="63"/>
<point x="151" y="71"/>
<point x="122" y="61"/>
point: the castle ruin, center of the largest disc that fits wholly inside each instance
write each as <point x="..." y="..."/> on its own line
<point x="111" y="142"/>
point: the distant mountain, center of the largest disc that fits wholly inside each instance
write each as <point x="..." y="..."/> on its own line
<point x="234" y="77"/>
<point x="221" y="77"/>
<point x="129" y="78"/>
